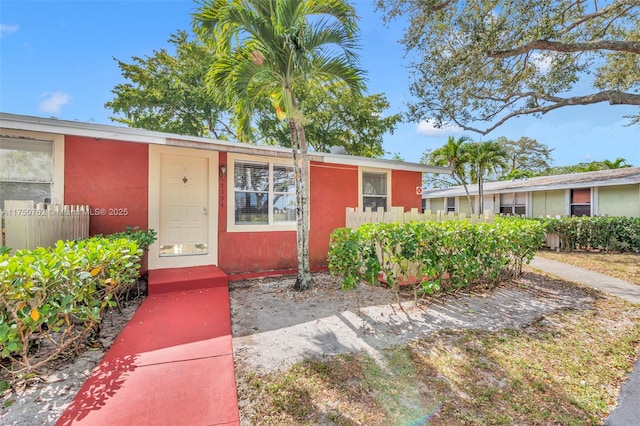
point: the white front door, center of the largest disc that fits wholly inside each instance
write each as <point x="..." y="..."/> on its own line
<point x="184" y="205"/>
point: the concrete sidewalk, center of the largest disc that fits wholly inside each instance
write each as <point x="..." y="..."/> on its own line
<point x="623" y="289"/>
<point x="627" y="410"/>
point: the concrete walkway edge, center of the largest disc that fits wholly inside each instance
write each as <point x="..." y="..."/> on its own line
<point x="614" y="286"/>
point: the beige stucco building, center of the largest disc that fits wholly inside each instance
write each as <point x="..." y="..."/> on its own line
<point x="601" y="193"/>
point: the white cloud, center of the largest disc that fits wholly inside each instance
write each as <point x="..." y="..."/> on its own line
<point x="53" y="102"/>
<point x="427" y="128"/>
<point x="8" y="29"/>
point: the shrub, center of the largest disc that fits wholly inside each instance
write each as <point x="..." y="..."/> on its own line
<point x="595" y="233"/>
<point x="436" y="256"/>
<point x="144" y="237"/>
<point x="53" y="297"/>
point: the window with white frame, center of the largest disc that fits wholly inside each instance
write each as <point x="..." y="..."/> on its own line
<point x="374" y="190"/>
<point x="513" y="203"/>
<point x="26" y="170"/>
<point x="451" y="204"/>
<point x="581" y="202"/>
<point x="264" y="193"/>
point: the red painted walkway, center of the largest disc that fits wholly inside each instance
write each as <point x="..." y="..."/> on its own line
<point x="172" y="363"/>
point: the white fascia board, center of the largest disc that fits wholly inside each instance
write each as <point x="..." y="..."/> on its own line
<point x="382" y="163"/>
<point x="456" y="192"/>
<point x="127" y="134"/>
<point x="74" y="128"/>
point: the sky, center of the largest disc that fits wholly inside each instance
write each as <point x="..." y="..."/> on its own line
<point x="57" y="60"/>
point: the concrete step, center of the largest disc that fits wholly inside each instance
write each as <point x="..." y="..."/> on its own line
<point x="186" y="279"/>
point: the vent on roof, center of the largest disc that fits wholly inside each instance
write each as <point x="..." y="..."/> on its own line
<point x="338" y="150"/>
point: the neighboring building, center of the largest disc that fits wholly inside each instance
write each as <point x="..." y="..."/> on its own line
<point x="212" y="202"/>
<point x="606" y="192"/>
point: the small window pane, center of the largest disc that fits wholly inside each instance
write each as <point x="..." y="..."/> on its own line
<point x="451" y="204"/>
<point x="581" y="210"/>
<point x="251" y="177"/>
<point x="252" y="208"/>
<point x="26" y="161"/>
<point x="506" y="199"/>
<point x="284" y="179"/>
<point x="37" y="192"/>
<point x="374" y="183"/>
<point x="374" y="202"/>
<point x="581" y="196"/>
<point x="284" y="208"/>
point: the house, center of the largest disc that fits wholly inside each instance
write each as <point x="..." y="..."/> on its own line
<point x="212" y="202"/>
<point x="605" y="192"/>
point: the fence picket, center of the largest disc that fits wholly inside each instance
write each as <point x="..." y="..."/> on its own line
<point x="28" y="226"/>
<point x="356" y="217"/>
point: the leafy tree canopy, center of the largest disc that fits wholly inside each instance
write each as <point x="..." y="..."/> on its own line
<point x="591" y="166"/>
<point x="333" y="116"/>
<point x="480" y="63"/>
<point x="165" y="92"/>
<point x="524" y="157"/>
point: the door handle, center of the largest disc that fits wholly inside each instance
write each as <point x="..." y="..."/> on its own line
<point x="205" y="211"/>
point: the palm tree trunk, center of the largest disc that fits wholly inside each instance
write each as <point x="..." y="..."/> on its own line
<point x="480" y="193"/>
<point x="464" y="185"/>
<point x="304" y="279"/>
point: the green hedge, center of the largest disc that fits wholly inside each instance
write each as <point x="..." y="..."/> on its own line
<point x="437" y="256"/>
<point x="53" y="297"/>
<point x="599" y="233"/>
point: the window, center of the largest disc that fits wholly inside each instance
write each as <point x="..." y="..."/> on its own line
<point x="26" y="170"/>
<point x="513" y="204"/>
<point x="264" y="193"/>
<point x="451" y="204"/>
<point x="581" y="202"/>
<point x="374" y="190"/>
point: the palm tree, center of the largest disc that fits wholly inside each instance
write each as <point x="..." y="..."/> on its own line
<point x="618" y="163"/>
<point x="454" y="154"/>
<point x="265" y="50"/>
<point x="485" y="158"/>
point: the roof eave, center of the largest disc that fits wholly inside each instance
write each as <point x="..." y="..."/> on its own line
<point x="127" y="134"/>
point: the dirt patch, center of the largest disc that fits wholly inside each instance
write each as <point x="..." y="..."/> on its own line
<point x="274" y="326"/>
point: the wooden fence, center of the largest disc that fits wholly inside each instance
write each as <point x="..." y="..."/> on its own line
<point x="26" y="226"/>
<point x="356" y="217"/>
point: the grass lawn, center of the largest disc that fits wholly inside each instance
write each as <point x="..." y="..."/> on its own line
<point x="625" y="266"/>
<point x="565" y="368"/>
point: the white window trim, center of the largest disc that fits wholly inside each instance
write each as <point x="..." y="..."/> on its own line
<point x="153" y="209"/>
<point x="592" y="209"/>
<point x="373" y="170"/>
<point x="513" y="205"/>
<point x="231" y="204"/>
<point x="57" y="186"/>
<point x="456" y="204"/>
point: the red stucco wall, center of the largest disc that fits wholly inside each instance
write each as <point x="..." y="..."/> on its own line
<point x="403" y="191"/>
<point x="333" y="188"/>
<point x="240" y="252"/>
<point x="113" y="175"/>
<point x="110" y="176"/>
